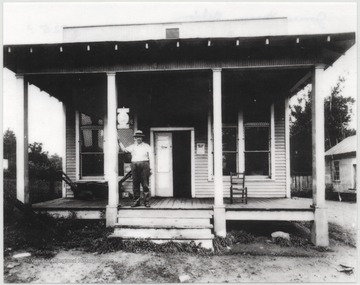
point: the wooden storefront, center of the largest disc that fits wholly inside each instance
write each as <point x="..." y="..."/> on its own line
<point x="208" y="106"/>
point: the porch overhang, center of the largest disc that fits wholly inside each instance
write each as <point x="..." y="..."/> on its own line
<point x="178" y="54"/>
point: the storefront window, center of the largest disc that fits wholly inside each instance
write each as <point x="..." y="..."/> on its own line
<point x="229" y="138"/>
<point x="91" y="146"/>
<point x="257" y="148"/>
<point x="257" y="137"/>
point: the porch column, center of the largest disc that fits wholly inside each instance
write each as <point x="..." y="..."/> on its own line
<point x="22" y="141"/>
<point x="63" y="184"/>
<point x="287" y="147"/>
<point x="111" y="151"/>
<point x="219" y="208"/>
<point x="319" y="229"/>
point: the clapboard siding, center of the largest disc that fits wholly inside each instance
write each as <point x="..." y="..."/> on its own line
<point x="70" y="148"/>
<point x="261" y="188"/>
<point x="203" y="187"/>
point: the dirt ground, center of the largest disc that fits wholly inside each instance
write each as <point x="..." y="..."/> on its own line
<point x="260" y="261"/>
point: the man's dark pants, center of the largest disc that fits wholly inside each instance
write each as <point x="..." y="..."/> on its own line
<point x="140" y="175"/>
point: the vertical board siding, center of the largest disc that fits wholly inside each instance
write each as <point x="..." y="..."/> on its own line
<point x="257" y="188"/>
<point x="70" y="148"/>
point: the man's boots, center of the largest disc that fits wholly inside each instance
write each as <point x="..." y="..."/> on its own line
<point x="136" y="202"/>
<point x="147" y="199"/>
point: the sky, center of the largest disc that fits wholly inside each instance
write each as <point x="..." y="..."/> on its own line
<point x="25" y="23"/>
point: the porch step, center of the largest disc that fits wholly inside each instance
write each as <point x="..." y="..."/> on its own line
<point x="164" y="213"/>
<point x="165" y="222"/>
<point x="205" y="243"/>
<point x="162" y="225"/>
<point x="163" y="233"/>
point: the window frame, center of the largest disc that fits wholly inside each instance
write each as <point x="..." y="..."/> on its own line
<point x="241" y="146"/>
<point x="336" y="174"/>
<point x="79" y="153"/>
<point x="232" y="126"/>
<point x="267" y="151"/>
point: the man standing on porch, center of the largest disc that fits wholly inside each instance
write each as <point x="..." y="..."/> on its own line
<point x="140" y="167"/>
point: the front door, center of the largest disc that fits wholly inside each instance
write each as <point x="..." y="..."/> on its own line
<point x="163" y="164"/>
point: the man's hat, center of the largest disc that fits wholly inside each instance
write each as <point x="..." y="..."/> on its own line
<point x="138" y="134"/>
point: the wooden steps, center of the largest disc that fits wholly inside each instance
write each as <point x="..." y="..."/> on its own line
<point x="163" y="225"/>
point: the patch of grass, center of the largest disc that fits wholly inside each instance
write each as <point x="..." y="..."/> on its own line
<point x="146" y="246"/>
<point x="298" y="241"/>
<point x="232" y="238"/>
<point x="322" y="249"/>
<point x="45" y="235"/>
<point x="283" y="242"/>
<point x="340" y="235"/>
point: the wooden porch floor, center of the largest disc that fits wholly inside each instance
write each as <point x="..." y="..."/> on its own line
<point x="256" y="204"/>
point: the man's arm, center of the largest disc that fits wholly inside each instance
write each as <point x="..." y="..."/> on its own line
<point x="123" y="148"/>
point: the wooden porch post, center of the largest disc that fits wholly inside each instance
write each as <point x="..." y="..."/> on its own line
<point x="287" y="147"/>
<point x="219" y="208"/>
<point x="111" y="151"/>
<point x="319" y="229"/>
<point x="63" y="184"/>
<point x="22" y="141"/>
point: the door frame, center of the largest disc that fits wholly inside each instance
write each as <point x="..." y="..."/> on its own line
<point x="192" y="151"/>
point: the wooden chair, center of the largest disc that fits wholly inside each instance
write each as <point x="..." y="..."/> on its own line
<point x="237" y="187"/>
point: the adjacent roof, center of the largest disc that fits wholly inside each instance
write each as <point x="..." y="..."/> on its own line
<point x="346" y="146"/>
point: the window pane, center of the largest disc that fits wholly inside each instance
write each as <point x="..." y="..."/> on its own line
<point x="229" y="139"/>
<point x="257" y="163"/>
<point x="229" y="163"/>
<point x="257" y="138"/>
<point x="92" y="140"/>
<point x="92" y="164"/>
<point x="336" y="170"/>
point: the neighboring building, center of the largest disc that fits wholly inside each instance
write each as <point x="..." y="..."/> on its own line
<point x="212" y="98"/>
<point x="341" y="165"/>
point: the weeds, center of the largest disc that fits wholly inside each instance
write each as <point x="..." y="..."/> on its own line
<point x="340" y="235"/>
<point x="283" y="242"/>
<point x="232" y="238"/>
<point x="295" y="241"/>
<point x="44" y="235"/>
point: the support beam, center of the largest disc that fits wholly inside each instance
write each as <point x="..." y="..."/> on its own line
<point x="210" y="146"/>
<point x="77" y="145"/>
<point x="105" y="146"/>
<point x="272" y="141"/>
<point x="301" y="83"/>
<point x="287" y="147"/>
<point x="22" y="141"/>
<point x="319" y="230"/>
<point x="241" y="139"/>
<point x="219" y="209"/>
<point x="112" y="150"/>
<point x="63" y="185"/>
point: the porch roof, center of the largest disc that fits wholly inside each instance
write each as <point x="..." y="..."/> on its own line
<point x="120" y="56"/>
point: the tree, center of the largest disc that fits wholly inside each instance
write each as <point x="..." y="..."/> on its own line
<point x="41" y="166"/>
<point x="337" y="117"/>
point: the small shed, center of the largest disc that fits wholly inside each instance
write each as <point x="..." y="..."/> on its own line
<point x="340" y="169"/>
